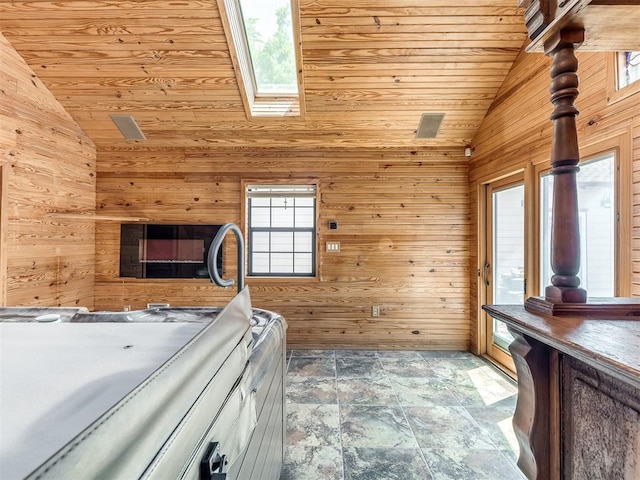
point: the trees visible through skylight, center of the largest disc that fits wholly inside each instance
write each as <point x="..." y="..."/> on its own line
<point x="268" y="29"/>
<point x="264" y="40"/>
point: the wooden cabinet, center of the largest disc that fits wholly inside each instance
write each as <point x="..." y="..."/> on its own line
<point x="578" y="410"/>
<point x="600" y="424"/>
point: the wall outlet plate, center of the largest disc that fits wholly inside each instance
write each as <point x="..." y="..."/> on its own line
<point x="333" y="246"/>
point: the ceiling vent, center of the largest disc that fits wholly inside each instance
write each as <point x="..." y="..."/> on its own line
<point x="429" y="125"/>
<point x="128" y="127"/>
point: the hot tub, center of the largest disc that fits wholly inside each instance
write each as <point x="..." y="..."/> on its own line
<point x="172" y="392"/>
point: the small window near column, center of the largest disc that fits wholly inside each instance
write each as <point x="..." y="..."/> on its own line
<point x="623" y="72"/>
<point x="628" y="68"/>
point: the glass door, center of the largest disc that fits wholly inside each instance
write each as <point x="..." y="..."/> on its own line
<point x="504" y="274"/>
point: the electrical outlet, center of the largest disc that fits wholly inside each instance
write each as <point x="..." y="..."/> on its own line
<point x="375" y="311"/>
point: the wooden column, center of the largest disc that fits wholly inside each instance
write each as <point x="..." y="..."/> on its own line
<point x="565" y="155"/>
<point x="564" y="296"/>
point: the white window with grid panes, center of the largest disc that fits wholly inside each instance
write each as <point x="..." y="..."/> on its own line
<point x="281" y="230"/>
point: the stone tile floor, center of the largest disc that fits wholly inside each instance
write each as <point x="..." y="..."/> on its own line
<point x="398" y="415"/>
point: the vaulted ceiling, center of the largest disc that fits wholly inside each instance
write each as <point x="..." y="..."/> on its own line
<point x="371" y="69"/>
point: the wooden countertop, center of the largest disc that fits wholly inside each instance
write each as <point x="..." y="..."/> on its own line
<point x="610" y="345"/>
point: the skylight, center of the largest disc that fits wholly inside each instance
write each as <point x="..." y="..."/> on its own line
<point x="267" y="26"/>
<point x="263" y="38"/>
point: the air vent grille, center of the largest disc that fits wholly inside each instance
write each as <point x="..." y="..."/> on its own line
<point x="429" y="125"/>
<point x="128" y="127"/>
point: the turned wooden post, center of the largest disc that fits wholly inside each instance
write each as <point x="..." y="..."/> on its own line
<point x="565" y="232"/>
<point x="565" y="155"/>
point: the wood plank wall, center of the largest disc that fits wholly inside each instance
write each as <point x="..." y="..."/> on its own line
<point x="517" y="132"/>
<point x="403" y="230"/>
<point x="49" y="166"/>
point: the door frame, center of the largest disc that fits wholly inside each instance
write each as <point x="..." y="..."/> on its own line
<point x="522" y="176"/>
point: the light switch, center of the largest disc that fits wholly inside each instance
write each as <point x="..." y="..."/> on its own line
<point x="333" y="246"/>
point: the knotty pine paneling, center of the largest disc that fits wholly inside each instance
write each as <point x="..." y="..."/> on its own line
<point x="48" y="165"/>
<point x="635" y="246"/>
<point x="370" y="70"/>
<point x="517" y="132"/>
<point x="403" y="230"/>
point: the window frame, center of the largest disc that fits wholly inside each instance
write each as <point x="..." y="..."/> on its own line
<point x="619" y="146"/>
<point x="615" y="93"/>
<point x="543" y="173"/>
<point x="261" y="105"/>
<point x="248" y="230"/>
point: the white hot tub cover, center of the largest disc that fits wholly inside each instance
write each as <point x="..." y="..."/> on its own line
<point x="101" y="398"/>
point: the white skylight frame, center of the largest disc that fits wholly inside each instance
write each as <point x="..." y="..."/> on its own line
<point x="256" y="104"/>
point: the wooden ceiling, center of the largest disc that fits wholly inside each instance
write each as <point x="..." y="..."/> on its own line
<point x="371" y="69"/>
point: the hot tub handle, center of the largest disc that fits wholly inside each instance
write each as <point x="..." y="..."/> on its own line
<point x="213" y="465"/>
<point x="213" y="254"/>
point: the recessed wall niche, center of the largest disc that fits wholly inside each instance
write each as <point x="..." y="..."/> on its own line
<point x="166" y="251"/>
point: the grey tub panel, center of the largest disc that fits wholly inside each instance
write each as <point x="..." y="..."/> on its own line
<point x="264" y="456"/>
